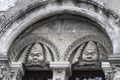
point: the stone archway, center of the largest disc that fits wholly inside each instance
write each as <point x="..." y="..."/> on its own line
<point x="65" y="22"/>
<point x="61" y="38"/>
<point x="95" y="14"/>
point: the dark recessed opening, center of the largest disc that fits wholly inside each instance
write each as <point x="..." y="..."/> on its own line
<point x="37" y="75"/>
<point x="87" y="75"/>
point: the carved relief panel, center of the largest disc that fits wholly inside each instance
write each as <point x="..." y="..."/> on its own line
<point x="90" y="52"/>
<point x="61" y="38"/>
<point x="34" y="52"/>
<point x="36" y="55"/>
<point x="91" y="55"/>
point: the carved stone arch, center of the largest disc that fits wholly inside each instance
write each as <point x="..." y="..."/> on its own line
<point x="20" y="49"/>
<point x="13" y="25"/>
<point x="74" y="50"/>
<point x="19" y="18"/>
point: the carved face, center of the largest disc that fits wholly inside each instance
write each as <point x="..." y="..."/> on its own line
<point x="90" y="52"/>
<point x="36" y="54"/>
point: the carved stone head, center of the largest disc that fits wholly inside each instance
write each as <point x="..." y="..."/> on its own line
<point x="90" y="52"/>
<point x="36" y="55"/>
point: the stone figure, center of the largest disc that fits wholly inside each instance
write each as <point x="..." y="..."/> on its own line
<point x="36" y="55"/>
<point x="90" y="52"/>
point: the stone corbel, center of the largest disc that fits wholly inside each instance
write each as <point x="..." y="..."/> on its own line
<point x="61" y="70"/>
<point x="16" y="71"/>
<point x="107" y="69"/>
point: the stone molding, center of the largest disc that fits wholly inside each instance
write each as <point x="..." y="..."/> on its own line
<point x="59" y="64"/>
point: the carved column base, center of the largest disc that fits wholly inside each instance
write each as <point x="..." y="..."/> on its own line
<point x="61" y="70"/>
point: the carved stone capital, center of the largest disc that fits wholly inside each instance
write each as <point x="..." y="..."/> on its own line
<point x="16" y="71"/>
<point x="4" y="68"/>
<point x="115" y="62"/>
<point x="107" y="69"/>
<point x="61" y="70"/>
<point x="116" y="73"/>
<point x="3" y="72"/>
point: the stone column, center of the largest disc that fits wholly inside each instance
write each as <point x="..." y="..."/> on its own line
<point x="16" y="71"/>
<point x="107" y="70"/>
<point x="61" y="70"/>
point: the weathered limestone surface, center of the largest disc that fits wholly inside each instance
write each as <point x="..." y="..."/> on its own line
<point x="113" y="4"/>
<point x="6" y="4"/>
<point x="18" y="15"/>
